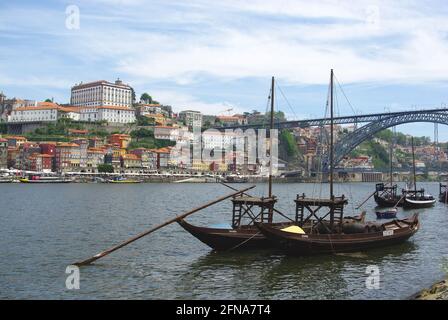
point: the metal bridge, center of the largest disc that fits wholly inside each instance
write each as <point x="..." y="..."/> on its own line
<point x="375" y="123"/>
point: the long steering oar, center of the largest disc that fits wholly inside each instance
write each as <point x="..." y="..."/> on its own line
<point x="396" y="205"/>
<point x="141" y="235"/>
<point x="365" y="201"/>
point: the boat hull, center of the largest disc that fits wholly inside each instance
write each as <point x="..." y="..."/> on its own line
<point x="386" y="214"/>
<point x="124" y="181"/>
<point x="44" y="181"/>
<point x="312" y="244"/>
<point x="389" y="202"/>
<point x="245" y="238"/>
<point x="418" y="204"/>
<point x="228" y="239"/>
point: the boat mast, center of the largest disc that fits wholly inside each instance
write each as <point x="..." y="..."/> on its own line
<point x="391" y="159"/>
<point x="413" y="164"/>
<point x="270" y="137"/>
<point x="331" y="136"/>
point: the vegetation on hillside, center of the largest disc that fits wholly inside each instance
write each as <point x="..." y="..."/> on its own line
<point x="401" y="138"/>
<point x="144" y="138"/>
<point x="380" y="156"/>
<point x="3" y="128"/>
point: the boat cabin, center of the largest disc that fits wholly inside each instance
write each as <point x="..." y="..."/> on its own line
<point x="248" y="210"/>
<point x="321" y="215"/>
<point x="386" y="191"/>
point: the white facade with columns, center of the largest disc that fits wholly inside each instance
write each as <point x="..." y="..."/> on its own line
<point x="101" y="93"/>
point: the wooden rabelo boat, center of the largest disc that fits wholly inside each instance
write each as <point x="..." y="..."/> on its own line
<point x="247" y="212"/>
<point x="321" y="225"/>
<point x="413" y="198"/>
<point x="310" y="242"/>
<point x="443" y="193"/>
<point x="243" y="233"/>
<point x="386" y="195"/>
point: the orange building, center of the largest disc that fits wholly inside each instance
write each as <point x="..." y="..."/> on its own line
<point x="122" y="140"/>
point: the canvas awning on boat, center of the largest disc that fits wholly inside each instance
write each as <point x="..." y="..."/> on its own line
<point x="294" y="229"/>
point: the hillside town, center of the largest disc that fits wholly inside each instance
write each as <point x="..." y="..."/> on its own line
<point x="103" y="129"/>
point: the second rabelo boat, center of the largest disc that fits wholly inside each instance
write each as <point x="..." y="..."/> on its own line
<point x="327" y="233"/>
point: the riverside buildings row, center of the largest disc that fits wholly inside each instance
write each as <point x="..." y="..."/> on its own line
<point x="87" y="154"/>
<point x="80" y="155"/>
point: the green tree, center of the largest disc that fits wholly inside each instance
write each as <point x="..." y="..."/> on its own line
<point x="48" y="100"/>
<point x="144" y="121"/>
<point x="142" y="133"/>
<point x="145" y="97"/>
<point x="105" y="168"/>
<point x="3" y="128"/>
<point x="289" y="142"/>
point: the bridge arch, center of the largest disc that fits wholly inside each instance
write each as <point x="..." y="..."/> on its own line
<point x="352" y="140"/>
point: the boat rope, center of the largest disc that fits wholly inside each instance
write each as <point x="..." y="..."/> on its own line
<point x="331" y="243"/>
<point x="287" y="101"/>
<point x="283" y="215"/>
<point x="245" y="241"/>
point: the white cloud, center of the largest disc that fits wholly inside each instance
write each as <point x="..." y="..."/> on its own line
<point x="402" y="46"/>
<point x="181" y="102"/>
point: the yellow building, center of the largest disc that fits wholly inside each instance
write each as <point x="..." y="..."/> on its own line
<point x="159" y="119"/>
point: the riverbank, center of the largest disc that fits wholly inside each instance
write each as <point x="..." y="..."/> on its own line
<point x="438" y="291"/>
<point x="178" y="178"/>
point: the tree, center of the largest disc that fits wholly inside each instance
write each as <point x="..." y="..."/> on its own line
<point x="289" y="142"/>
<point x="144" y="121"/>
<point x="3" y="127"/>
<point x="48" y="100"/>
<point x="142" y="133"/>
<point x="145" y="97"/>
<point x="105" y="168"/>
<point x="133" y="95"/>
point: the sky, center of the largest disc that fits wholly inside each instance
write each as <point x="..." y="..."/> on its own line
<point x="213" y="56"/>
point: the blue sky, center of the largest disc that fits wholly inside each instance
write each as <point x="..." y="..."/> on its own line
<point x="215" y="55"/>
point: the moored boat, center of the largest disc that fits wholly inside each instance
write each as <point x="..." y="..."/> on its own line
<point x="122" y="180"/>
<point x="248" y="236"/>
<point x="388" y="213"/>
<point x="247" y="211"/>
<point x="386" y="196"/>
<point x="418" y="199"/>
<point x="413" y="198"/>
<point x="43" y="179"/>
<point x="309" y="243"/>
<point x="324" y="232"/>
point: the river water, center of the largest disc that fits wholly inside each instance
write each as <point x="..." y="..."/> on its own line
<point x="44" y="228"/>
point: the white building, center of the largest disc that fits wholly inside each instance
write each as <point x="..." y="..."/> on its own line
<point x="191" y="118"/>
<point x="214" y="139"/>
<point x="43" y="112"/>
<point x="152" y="108"/>
<point x="101" y="93"/>
<point x="172" y="133"/>
<point x="111" y="114"/>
